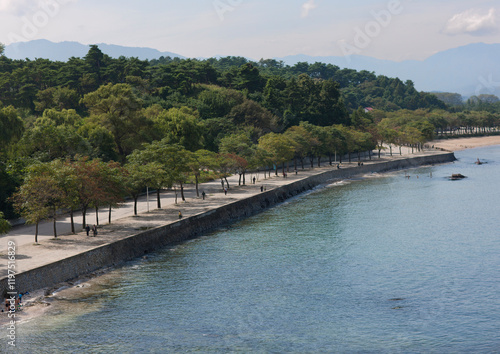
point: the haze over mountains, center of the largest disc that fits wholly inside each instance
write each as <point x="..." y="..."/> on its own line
<point x="469" y="70"/>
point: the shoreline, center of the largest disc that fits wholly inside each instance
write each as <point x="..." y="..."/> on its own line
<point x="219" y="211"/>
<point x="42" y="300"/>
<point x="458" y="144"/>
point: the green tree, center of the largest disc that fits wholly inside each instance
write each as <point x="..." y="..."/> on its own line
<point x="173" y="161"/>
<point x="136" y="179"/>
<point x="181" y="126"/>
<point x="11" y="126"/>
<point x="4" y="225"/>
<point x="302" y="141"/>
<point x="117" y="109"/>
<point x="202" y="162"/>
<point x="280" y="147"/>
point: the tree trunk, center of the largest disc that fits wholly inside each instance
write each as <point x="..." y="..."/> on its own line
<point x="36" y="232"/>
<point x="135" y="204"/>
<point x="227" y="182"/>
<point x="84" y="216"/>
<point x="109" y="216"/>
<point x="55" y="219"/>
<point x="97" y="215"/>
<point x="319" y="161"/>
<point x="72" y="221"/>
<point x="196" y="183"/>
<point x="182" y="192"/>
<point x="158" y="201"/>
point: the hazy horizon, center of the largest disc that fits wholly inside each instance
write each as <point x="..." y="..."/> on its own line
<point x="394" y="30"/>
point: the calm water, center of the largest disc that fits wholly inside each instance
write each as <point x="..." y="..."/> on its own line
<point x="381" y="264"/>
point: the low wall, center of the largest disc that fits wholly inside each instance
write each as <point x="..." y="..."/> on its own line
<point x="134" y="246"/>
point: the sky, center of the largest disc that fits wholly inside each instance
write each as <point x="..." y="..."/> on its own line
<point x="385" y="29"/>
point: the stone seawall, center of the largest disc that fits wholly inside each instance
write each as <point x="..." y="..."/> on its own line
<point x="115" y="253"/>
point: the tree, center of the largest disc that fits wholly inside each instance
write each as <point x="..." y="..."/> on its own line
<point x="110" y="189"/>
<point x="173" y="162"/>
<point x="280" y="147"/>
<point x="38" y="198"/>
<point x="86" y="184"/>
<point x="181" y="126"/>
<point x="4" y="225"/>
<point x="241" y="146"/>
<point x="136" y="178"/>
<point x="11" y="126"/>
<point x="117" y="109"/>
<point x="46" y="142"/>
<point x="63" y="173"/>
<point x="202" y="162"/>
<point x="2" y="48"/>
<point x="252" y="114"/>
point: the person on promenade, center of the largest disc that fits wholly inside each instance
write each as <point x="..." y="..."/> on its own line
<point x="254" y="180"/>
<point x="180" y="215"/>
<point x="94" y="230"/>
<point x="225" y="191"/>
<point x="203" y="195"/>
<point x="87" y="228"/>
<point x="261" y="188"/>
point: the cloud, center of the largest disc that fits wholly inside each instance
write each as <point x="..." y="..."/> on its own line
<point x="472" y="22"/>
<point x="307" y="7"/>
<point x="26" y="7"/>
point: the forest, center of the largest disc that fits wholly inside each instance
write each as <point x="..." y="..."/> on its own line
<point x="90" y="131"/>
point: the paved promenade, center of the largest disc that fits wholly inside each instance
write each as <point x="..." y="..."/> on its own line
<point x="124" y="224"/>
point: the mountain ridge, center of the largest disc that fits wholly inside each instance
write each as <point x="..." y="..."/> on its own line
<point x="62" y="51"/>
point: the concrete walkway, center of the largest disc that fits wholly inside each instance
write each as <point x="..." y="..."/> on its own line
<point x="29" y="255"/>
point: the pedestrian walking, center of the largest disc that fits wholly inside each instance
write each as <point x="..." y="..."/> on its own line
<point x="203" y="195"/>
<point x="180" y="215"/>
<point x="261" y="188"/>
<point x="254" y="180"/>
<point x="87" y="228"/>
<point x="225" y="191"/>
<point x="94" y="230"/>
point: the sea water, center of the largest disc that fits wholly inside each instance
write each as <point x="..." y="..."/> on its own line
<point x="403" y="262"/>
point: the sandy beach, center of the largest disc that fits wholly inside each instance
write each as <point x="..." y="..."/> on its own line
<point x="465" y="143"/>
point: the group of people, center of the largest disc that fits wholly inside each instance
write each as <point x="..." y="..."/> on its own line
<point x="94" y="230"/>
<point x="14" y="305"/>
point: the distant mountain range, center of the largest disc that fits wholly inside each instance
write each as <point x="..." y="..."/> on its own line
<point x="468" y="70"/>
<point x="62" y="51"/>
